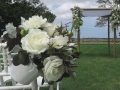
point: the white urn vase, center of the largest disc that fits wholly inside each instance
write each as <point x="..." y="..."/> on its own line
<point x="23" y="74"/>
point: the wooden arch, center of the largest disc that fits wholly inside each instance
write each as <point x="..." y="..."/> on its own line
<point x="101" y="12"/>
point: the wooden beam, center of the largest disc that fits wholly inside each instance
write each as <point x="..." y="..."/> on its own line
<point x="114" y="42"/>
<point x="78" y="39"/>
<point x="108" y="36"/>
<point x="96" y="9"/>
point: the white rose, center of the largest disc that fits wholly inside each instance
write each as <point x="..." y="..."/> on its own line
<point x="11" y="30"/>
<point x="50" y="29"/>
<point x="33" y="23"/>
<point x="35" y="42"/>
<point x="47" y="24"/>
<point x="58" y="41"/>
<point x="53" y="68"/>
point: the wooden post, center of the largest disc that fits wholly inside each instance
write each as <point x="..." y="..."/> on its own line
<point x="97" y="39"/>
<point x="83" y="40"/>
<point x="108" y="36"/>
<point x="114" y="42"/>
<point x="78" y="40"/>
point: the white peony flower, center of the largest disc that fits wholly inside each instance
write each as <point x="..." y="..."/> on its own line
<point x="32" y="23"/>
<point x="53" y="68"/>
<point x="35" y="42"/>
<point x="59" y="41"/>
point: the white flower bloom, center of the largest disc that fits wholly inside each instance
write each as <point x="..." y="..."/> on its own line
<point x="70" y="49"/>
<point x="53" y="68"/>
<point x="22" y="20"/>
<point x="59" y="41"/>
<point x="71" y="44"/>
<point x="32" y="23"/>
<point x="50" y="29"/>
<point x="35" y="42"/>
<point x="47" y="24"/>
<point x="11" y="30"/>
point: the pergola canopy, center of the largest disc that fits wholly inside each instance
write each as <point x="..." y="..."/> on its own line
<point x="96" y="12"/>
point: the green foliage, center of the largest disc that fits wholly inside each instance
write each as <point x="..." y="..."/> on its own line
<point x="102" y="21"/>
<point x="13" y="12"/>
<point x="23" y="32"/>
<point x="22" y="56"/>
<point x="70" y="33"/>
<point x="115" y="18"/>
<point x="104" y="3"/>
<point x="117" y="1"/>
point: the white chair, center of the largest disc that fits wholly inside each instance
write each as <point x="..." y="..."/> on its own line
<point x="4" y="75"/>
<point x="34" y="85"/>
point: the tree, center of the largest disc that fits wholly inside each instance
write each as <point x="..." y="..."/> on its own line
<point x="102" y="21"/>
<point x="105" y="3"/>
<point x="12" y="12"/>
<point x="30" y="1"/>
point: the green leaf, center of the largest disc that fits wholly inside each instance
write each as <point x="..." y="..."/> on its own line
<point x="23" y="57"/>
<point x="15" y="60"/>
<point x="15" y="49"/>
<point x="24" y="32"/>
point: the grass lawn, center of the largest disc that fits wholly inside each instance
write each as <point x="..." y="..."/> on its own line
<point x="97" y="70"/>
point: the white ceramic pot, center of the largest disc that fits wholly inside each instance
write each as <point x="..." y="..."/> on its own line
<point x="23" y="74"/>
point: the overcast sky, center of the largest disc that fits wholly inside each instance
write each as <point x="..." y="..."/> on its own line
<point x="61" y="8"/>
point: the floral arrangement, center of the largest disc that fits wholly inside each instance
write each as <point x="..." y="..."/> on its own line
<point x="77" y="15"/>
<point x="45" y="44"/>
